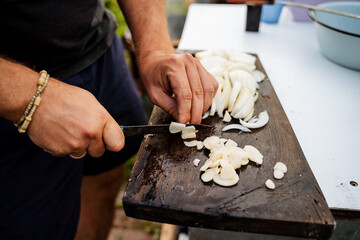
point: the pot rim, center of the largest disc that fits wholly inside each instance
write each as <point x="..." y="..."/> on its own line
<point x="311" y="12"/>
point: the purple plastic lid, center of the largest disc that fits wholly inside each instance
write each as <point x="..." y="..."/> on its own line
<point x="300" y="14"/>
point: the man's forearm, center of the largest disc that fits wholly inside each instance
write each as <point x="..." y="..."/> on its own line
<point x="148" y="24"/>
<point x="17" y="85"/>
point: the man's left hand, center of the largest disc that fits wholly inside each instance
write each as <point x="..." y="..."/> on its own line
<point x="179" y="84"/>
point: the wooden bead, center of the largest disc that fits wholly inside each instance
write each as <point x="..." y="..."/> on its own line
<point x="42" y="80"/>
<point x="20" y="130"/>
<point x="37" y="101"/>
<point x="25" y="125"/>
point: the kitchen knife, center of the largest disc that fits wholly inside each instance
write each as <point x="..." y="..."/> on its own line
<point x="153" y="129"/>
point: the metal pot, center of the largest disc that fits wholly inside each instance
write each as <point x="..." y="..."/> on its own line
<point x="338" y="36"/>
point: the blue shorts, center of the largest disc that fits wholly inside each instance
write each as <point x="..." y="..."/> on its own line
<point x="39" y="193"/>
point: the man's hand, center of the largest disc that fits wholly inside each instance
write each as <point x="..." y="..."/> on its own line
<point x="179" y="84"/>
<point x="70" y="120"/>
<point x="162" y="72"/>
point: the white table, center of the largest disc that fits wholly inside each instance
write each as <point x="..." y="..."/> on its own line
<point x="320" y="98"/>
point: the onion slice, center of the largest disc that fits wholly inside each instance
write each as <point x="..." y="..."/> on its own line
<point x="210" y="142"/>
<point x="254" y="154"/>
<point x="206" y="115"/>
<point x="236" y="126"/>
<point x="280" y="166"/>
<point x="278" y="174"/>
<point x="209" y="174"/>
<point x="199" y="145"/>
<point x="188" y="129"/>
<point x="196" y="162"/>
<point x="259" y="76"/>
<point x="263" y="120"/>
<point x="226" y="183"/>
<point x="227" y="117"/>
<point x="176" y="127"/>
<point x="193" y="143"/>
<point x="270" y="184"/>
<point x="188" y="135"/>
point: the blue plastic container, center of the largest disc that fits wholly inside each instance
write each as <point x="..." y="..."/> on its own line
<point x="338" y="36"/>
<point x="271" y="13"/>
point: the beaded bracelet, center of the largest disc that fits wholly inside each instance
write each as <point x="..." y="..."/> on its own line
<point x="25" y="120"/>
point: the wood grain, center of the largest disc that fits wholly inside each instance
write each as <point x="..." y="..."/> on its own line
<point x="165" y="186"/>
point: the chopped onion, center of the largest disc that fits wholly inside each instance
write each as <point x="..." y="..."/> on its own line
<point x="278" y="174"/>
<point x="280" y="166"/>
<point x="227" y="172"/>
<point x="206" y="115"/>
<point x="191" y="143"/>
<point x="244" y="161"/>
<point x="227" y="117"/>
<point x="253" y="120"/>
<point x="214" y="62"/>
<point x="235" y="126"/>
<point x="209" y="174"/>
<point x="270" y="184"/>
<point x="199" y="145"/>
<point x="176" y="127"/>
<point x="246" y="109"/>
<point x="188" y="129"/>
<point x="196" y="162"/>
<point x="239" y="66"/>
<point x="213" y="107"/>
<point x="226" y="183"/>
<point x="259" y="76"/>
<point x="223" y="101"/>
<point x="215" y="164"/>
<point x="230" y="143"/>
<point x="204" y="54"/>
<point x="249" y="116"/>
<point x="224" y="159"/>
<point x="246" y="79"/>
<point x="210" y="142"/>
<point x="241" y="101"/>
<point x="188" y="135"/>
<point x="263" y="120"/>
<point x="206" y="165"/>
<point x="254" y="154"/>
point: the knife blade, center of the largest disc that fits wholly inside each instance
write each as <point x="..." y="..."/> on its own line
<point x="155" y="129"/>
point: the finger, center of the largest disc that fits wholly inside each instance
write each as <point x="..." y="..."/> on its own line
<point x="181" y="88"/>
<point x="197" y="103"/>
<point x="166" y="102"/>
<point x="78" y="150"/>
<point x="113" y="136"/>
<point x="209" y="84"/>
<point x="96" y="147"/>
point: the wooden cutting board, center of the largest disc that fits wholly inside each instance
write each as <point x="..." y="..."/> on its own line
<point x="165" y="186"/>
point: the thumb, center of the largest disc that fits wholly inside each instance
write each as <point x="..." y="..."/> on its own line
<point x="113" y="136"/>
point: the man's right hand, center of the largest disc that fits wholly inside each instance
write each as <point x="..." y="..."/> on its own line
<point x="70" y="120"/>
